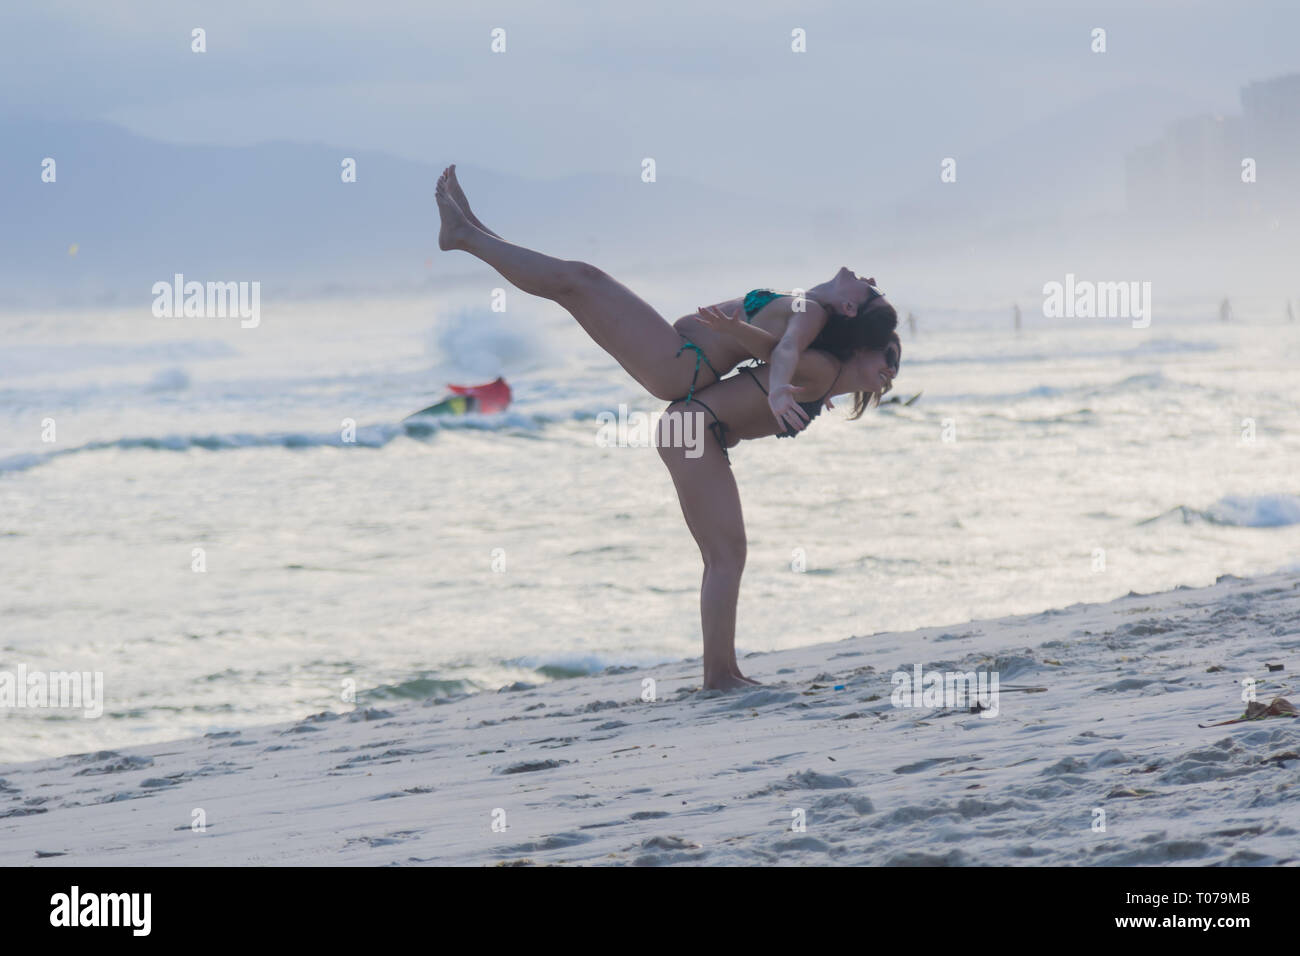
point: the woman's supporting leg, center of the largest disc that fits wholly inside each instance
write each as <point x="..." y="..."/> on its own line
<point x="710" y="502"/>
<point x="733" y="667"/>
<point x="618" y="320"/>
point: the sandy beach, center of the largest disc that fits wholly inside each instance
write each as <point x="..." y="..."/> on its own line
<point x="1094" y="757"/>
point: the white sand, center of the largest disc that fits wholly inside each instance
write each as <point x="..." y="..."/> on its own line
<point x="708" y="778"/>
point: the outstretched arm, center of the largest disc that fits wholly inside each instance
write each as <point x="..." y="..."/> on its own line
<point x="788" y="356"/>
<point x="800" y="331"/>
<point x="752" y="339"/>
<point x="759" y="342"/>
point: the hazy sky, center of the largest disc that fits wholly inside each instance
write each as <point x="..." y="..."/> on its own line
<point x="711" y="90"/>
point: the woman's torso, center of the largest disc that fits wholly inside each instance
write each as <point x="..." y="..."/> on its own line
<point x="741" y="403"/>
<point x="722" y="350"/>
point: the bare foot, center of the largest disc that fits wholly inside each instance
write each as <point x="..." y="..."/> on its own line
<point x="458" y="196"/>
<point x="734" y="671"/>
<point x="726" y="682"/>
<point x="455" y="227"/>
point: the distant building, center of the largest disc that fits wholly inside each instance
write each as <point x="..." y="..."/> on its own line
<point x="1193" y="172"/>
<point x="1271" y="114"/>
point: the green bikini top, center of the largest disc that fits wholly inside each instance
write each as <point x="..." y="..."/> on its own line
<point x="755" y="299"/>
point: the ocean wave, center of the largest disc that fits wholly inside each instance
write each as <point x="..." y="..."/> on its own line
<point x="421" y="426"/>
<point x="21" y="360"/>
<point x="1172" y="346"/>
<point x="417" y="688"/>
<point x="1241" y="511"/>
<point x="367" y="436"/>
<point x="558" y="666"/>
<point x="1141" y="381"/>
<point x="1144" y="350"/>
<point x="1080" y="416"/>
<point x="1256" y="511"/>
<point x="552" y="667"/>
<point x="172" y="379"/>
<point x="1027" y="394"/>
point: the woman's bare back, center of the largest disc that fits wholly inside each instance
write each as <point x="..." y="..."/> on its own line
<point x="723" y="351"/>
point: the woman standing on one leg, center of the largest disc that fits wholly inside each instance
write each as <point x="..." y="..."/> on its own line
<point x="651" y="351"/>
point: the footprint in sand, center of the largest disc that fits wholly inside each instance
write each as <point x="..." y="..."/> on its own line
<point x="556" y="841"/>
<point x="398" y="836"/>
<point x="117" y="764"/>
<point x="532" y="766"/>
<point x="806" y="780"/>
<point x="1279" y="707"/>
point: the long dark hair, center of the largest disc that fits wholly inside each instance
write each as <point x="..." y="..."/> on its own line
<point x="870" y="328"/>
<point x="864" y="400"/>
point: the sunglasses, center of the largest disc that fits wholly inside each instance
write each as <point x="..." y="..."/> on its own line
<point x="873" y="293"/>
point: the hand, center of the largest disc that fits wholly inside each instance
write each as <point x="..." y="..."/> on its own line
<point x="718" y="320"/>
<point x="786" y="410"/>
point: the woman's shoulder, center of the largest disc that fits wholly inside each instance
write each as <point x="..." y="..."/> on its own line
<point x="816" y="370"/>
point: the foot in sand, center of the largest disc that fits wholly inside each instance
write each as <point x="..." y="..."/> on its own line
<point x="728" y="682"/>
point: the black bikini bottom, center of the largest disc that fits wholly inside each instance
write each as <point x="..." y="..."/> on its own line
<point x="717" y="426"/>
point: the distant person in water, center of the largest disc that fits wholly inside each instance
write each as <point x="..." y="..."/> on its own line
<point x="836" y="338"/>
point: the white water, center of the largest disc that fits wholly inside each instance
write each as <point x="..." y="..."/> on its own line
<point x="371" y="561"/>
